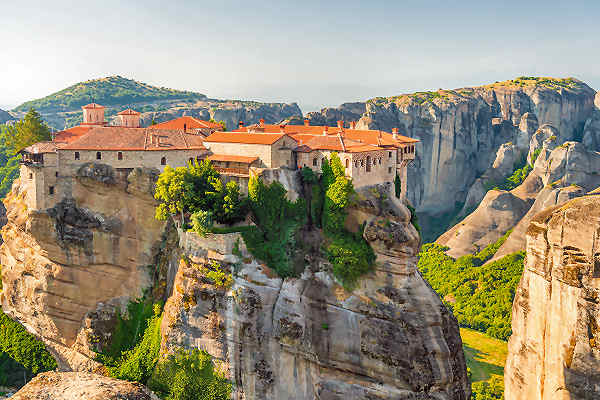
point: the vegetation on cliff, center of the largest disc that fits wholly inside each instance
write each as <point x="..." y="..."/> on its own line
<point x="480" y="295"/>
<point x="107" y="91"/>
<point x="485" y="358"/>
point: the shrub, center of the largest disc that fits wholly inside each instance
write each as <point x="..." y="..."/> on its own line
<point x="488" y="390"/>
<point x="137" y="364"/>
<point x="221" y="279"/>
<point x="202" y="222"/>
<point x="351" y="257"/>
<point x="23" y="347"/>
<point x="189" y="375"/>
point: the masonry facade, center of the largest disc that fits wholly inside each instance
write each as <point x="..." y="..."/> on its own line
<point x="368" y="156"/>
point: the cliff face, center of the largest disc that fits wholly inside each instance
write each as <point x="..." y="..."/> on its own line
<point x="554" y="352"/>
<point x="306" y="337"/>
<point x="67" y="269"/>
<point x="461" y="130"/>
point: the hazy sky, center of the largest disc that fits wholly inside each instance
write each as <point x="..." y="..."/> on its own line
<point x="316" y="53"/>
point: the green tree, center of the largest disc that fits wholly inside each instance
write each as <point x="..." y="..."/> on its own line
<point x="200" y="181"/>
<point x="397" y="186"/>
<point x="9" y="163"/>
<point x="202" y="222"/>
<point x="31" y="129"/>
<point x="170" y="191"/>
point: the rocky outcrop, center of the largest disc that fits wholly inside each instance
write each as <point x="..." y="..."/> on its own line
<point x="66" y="270"/>
<point x="81" y="386"/>
<point x="554" y="351"/>
<point x="461" y="130"/>
<point x="560" y="173"/>
<point x="308" y="338"/>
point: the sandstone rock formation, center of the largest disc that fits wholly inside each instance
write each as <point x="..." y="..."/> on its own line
<point x="306" y="337"/>
<point x="554" y="352"/>
<point x="81" y="386"/>
<point x="461" y="130"/>
<point x="67" y="269"/>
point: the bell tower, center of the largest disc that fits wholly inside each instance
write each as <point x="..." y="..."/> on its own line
<point x="93" y="114"/>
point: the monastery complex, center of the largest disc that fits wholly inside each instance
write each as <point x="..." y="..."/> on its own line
<point x="370" y="156"/>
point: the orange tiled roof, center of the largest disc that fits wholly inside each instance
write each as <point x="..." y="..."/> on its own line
<point x="246" y="138"/>
<point x="92" y="105"/>
<point x="71" y="134"/>
<point x="335" y="143"/>
<point x="369" y="136"/>
<point x="129" y="111"/>
<point x="40" y="148"/>
<point x="190" y="123"/>
<point x="122" y="138"/>
<point x="239" y="159"/>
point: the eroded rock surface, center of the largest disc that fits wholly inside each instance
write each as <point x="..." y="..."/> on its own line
<point x="67" y="269"/>
<point x="306" y="337"/>
<point x="81" y="386"/>
<point x="554" y="352"/>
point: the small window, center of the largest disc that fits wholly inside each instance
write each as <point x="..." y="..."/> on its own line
<point x="163" y="161"/>
<point x="362" y="163"/>
<point x="347" y="163"/>
<point x="56" y="174"/>
<point x="98" y="155"/>
<point x="389" y="154"/>
<point x="379" y="160"/>
<point x="314" y="162"/>
<point x="355" y="164"/>
<point x="389" y="170"/>
<point x="323" y="161"/>
<point x="191" y="160"/>
<point x="51" y="190"/>
<point x="120" y="155"/>
<point x="30" y="175"/>
<point x="77" y="155"/>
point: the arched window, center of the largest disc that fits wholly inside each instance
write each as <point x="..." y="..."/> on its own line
<point x="77" y="155"/>
<point x="389" y="154"/>
<point x="362" y="163"/>
<point x="163" y="161"/>
<point x="368" y="163"/>
<point x="314" y="162"/>
<point x="379" y="160"/>
<point x="98" y="155"/>
<point x="120" y="155"/>
<point x="356" y="164"/>
<point x="347" y="163"/>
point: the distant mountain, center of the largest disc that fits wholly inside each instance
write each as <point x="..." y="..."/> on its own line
<point x="4" y="116"/>
<point x="112" y="90"/>
<point x="63" y="108"/>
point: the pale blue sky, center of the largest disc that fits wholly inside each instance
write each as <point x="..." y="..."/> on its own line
<point x="316" y="53"/>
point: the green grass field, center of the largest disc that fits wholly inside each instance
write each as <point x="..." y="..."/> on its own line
<point x="485" y="356"/>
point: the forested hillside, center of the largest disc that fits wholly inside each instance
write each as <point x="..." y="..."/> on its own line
<point x="107" y="91"/>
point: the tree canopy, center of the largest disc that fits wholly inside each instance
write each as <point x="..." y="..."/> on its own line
<point x="31" y="129"/>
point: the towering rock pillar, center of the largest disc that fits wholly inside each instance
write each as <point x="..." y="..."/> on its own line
<point x="554" y="352"/>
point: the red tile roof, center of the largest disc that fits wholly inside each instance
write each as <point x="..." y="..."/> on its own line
<point x="122" y="138"/>
<point x="129" y="111"/>
<point x="335" y="143"/>
<point x="226" y="157"/>
<point x="71" y="134"/>
<point x="93" y="105"/>
<point x="246" y="138"/>
<point x="369" y="136"/>
<point x="190" y="123"/>
<point x="40" y="148"/>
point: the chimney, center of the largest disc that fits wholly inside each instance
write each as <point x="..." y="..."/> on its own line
<point x="241" y="124"/>
<point x="325" y="129"/>
<point x="340" y="123"/>
<point x="353" y="125"/>
<point x="262" y="122"/>
<point x="395" y="133"/>
<point x="306" y="122"/>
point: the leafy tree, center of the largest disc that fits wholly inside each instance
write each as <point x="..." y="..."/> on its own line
<point x="9" y="163"/>
<point x="189" y="375"/>
<point x="170" y="191"/>
<point x="200" y="182"/>
<point x="31" y="129"/>
<point x="397" y="186"/>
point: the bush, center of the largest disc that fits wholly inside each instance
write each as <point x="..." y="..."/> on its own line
<point x="351" y="257"/>
<point x="202" y="222"/>
<point x="23" y="347"/>
<point x="189" y="375"/>
<point x="137" y="364"/>
<point x="488" y="390"/>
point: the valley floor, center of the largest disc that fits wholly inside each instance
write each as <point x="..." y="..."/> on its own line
<point x="485" y="356"/>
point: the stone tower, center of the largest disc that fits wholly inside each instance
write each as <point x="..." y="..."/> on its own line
<point x="129" y="118"/>
<point x="93" y="114"/>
